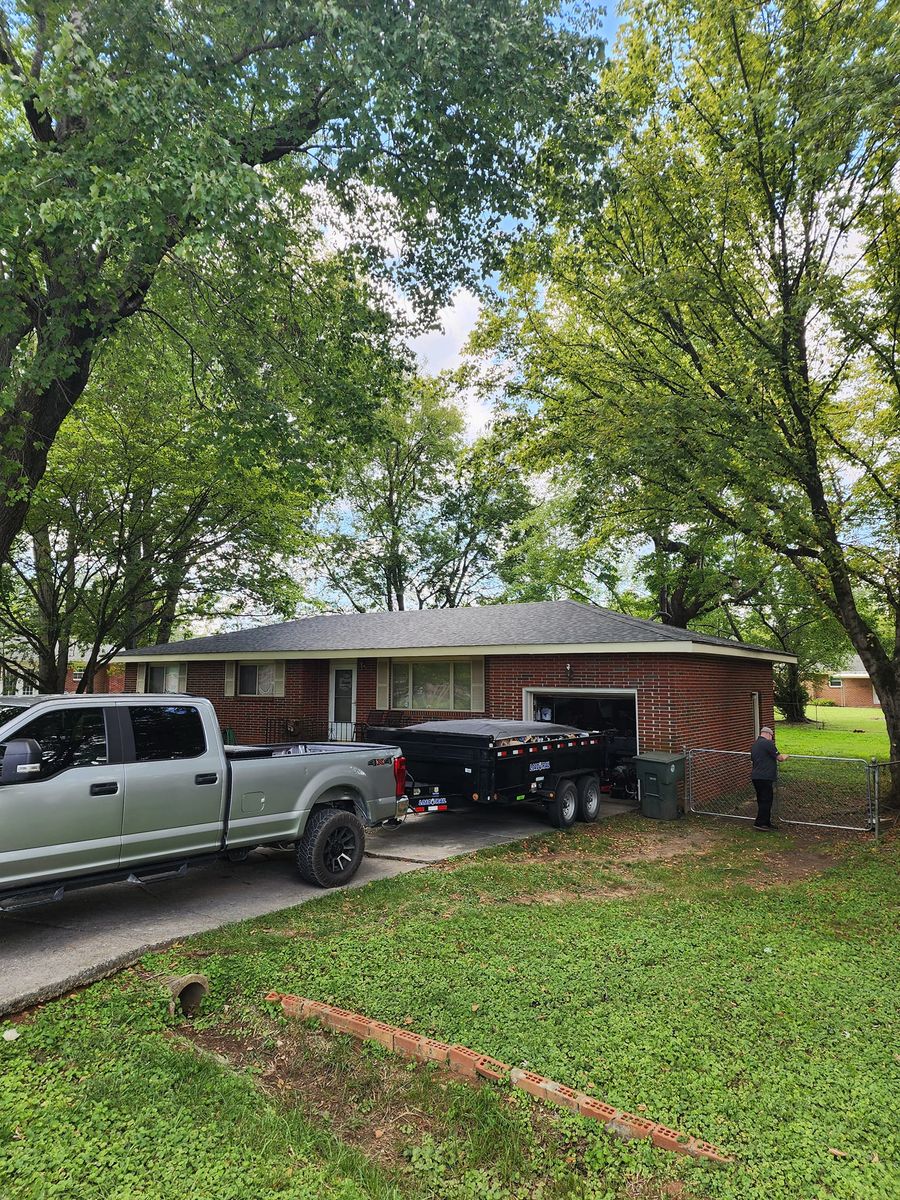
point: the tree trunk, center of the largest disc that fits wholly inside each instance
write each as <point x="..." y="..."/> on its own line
<point x="168" y="611"/>
<point x="35" y="417"/>
<point x="790" y="694"/>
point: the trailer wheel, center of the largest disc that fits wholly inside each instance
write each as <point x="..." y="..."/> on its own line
<point x="588" y="798"/>
<point x="331" y="849"/>
<point x="564" y="807"/>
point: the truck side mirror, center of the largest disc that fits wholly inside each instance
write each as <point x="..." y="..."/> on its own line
<point x="22" y="761"/>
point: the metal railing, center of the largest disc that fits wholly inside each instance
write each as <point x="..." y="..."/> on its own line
<point x="833" y="793"/>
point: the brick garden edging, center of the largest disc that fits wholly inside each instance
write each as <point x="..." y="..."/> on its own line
<point x="474" y="1065"/>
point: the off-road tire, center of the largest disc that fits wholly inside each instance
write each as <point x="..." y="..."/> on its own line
<point x="331" y="849"/>
<point x="563" y="809"/>
<point x="588" y="798"/>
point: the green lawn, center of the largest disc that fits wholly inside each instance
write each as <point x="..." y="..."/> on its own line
<point x="738" y="987"/>
<point x="848" y="732"/>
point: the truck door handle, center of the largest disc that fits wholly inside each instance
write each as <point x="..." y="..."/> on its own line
<point x="211" y="777"/>
<point x="104" y="789"/>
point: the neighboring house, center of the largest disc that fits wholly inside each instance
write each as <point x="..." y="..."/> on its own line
<point x="108" y="679"/>
<point x="327" y="676"/>
<point x="849" y="688"/>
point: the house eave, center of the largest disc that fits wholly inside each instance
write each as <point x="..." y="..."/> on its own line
<point x="601" y="648"/>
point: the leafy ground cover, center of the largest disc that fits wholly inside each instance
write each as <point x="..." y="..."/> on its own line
<point x="848" y="732"/>
<point x="737" y="986"/>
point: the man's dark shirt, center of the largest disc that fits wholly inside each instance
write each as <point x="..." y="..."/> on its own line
<point x="764" y="760"/>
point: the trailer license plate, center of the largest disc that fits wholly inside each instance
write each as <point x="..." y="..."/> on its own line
<point x="539" y="766"/>
<point x="424" y="804"/>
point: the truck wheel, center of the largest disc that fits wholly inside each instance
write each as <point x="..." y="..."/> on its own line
<point x="588" y="798"/>
<point x="564" y="807"/>
<point x="331" y="848"/>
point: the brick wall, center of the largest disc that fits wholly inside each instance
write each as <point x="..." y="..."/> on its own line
<point x="683" y="700"/>
<point x="856" y="693"/>
<point x="106" y="680"/>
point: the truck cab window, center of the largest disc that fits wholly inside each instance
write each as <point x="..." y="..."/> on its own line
<point x="69" y="737"/>
<point x="166" y="732"/>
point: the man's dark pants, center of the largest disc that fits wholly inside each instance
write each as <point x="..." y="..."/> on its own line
<point x="764" y="789"/>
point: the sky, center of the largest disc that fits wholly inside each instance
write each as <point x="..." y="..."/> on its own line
<point x="441" y="349"/>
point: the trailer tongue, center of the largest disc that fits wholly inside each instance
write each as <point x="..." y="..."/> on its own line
<point x="502" y="762"/>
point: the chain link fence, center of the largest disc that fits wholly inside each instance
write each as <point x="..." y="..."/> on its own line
<point x="834" y="793"/>
<point x="887" y="793"/>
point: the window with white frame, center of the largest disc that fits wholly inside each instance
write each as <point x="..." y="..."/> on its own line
<point x="165" y="677"/>
<point x="443" y="685"/>
<point x="254" y="678"/>
<point x="835" y="681"/>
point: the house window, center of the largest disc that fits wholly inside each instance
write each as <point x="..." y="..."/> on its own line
<point x="164" y="677"/>
<point x="256" y="679"/>
<point x="441" y="685"/>
<point x="835" y="681"/>
<point x="77" y="674"/>
<point x="16" y="685"/>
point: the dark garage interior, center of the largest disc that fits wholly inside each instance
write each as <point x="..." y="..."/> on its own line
<point x="613" y="714"/>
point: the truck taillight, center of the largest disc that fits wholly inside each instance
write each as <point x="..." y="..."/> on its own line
<point x="400" y="775"/>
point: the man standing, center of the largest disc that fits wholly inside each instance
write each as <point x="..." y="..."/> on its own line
<point x="764" y="760"/>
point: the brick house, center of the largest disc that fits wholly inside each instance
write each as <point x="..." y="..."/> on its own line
<point x="110" y="678"/>
<point x="327" y="676"/>
<point x="850" y="688"/>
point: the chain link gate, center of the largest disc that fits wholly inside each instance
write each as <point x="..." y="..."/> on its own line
<point x="887" y="790"/>
<point x="833" y="793"/>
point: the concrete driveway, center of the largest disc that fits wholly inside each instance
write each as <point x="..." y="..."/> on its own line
<point x="91" y="933"/>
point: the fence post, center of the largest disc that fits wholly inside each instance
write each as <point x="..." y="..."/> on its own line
<point x="876" y="809"/>
<point x="688" y="788"/>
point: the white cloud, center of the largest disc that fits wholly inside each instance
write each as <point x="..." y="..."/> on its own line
<point x="441" y="348"/>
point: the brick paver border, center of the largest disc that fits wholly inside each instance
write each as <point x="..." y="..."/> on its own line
<point x="473" y="1065"/>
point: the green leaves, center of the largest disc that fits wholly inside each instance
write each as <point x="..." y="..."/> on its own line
<point x="713" y="344"/>
<point x="135" y="133"/>
<point x="421" y="521"/>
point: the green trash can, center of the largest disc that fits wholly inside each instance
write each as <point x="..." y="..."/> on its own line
<point x="658" y="776"/>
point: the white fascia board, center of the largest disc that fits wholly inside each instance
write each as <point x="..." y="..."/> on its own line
<point x="773" y="656"/>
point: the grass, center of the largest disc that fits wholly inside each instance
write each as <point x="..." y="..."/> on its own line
<point x="848" y="732"/>
<point x="739" y="988"/>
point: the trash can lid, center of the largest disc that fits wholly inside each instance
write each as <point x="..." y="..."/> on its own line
<point x="659" y="757"/>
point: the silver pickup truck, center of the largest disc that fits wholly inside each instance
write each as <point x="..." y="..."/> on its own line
<point x="97" y="788"/>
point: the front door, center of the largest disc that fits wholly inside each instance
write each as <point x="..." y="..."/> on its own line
<point x="342" y="702"/>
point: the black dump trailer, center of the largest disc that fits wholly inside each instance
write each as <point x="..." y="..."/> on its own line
<point x="502" y="762"/>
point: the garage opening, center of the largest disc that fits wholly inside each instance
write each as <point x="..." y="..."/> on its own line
<point x="613" y="713"/>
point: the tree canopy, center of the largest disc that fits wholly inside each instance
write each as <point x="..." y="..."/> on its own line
<point x="716" y="337"/>
<point x="188" y="476"/>
<point x="133" y="135"/>
<point x="422" y="520"/>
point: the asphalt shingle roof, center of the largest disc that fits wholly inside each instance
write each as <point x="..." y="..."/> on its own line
<point x="555" y="622"/>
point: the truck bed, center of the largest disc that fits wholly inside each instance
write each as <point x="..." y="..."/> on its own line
<point x="299" y="749"/>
